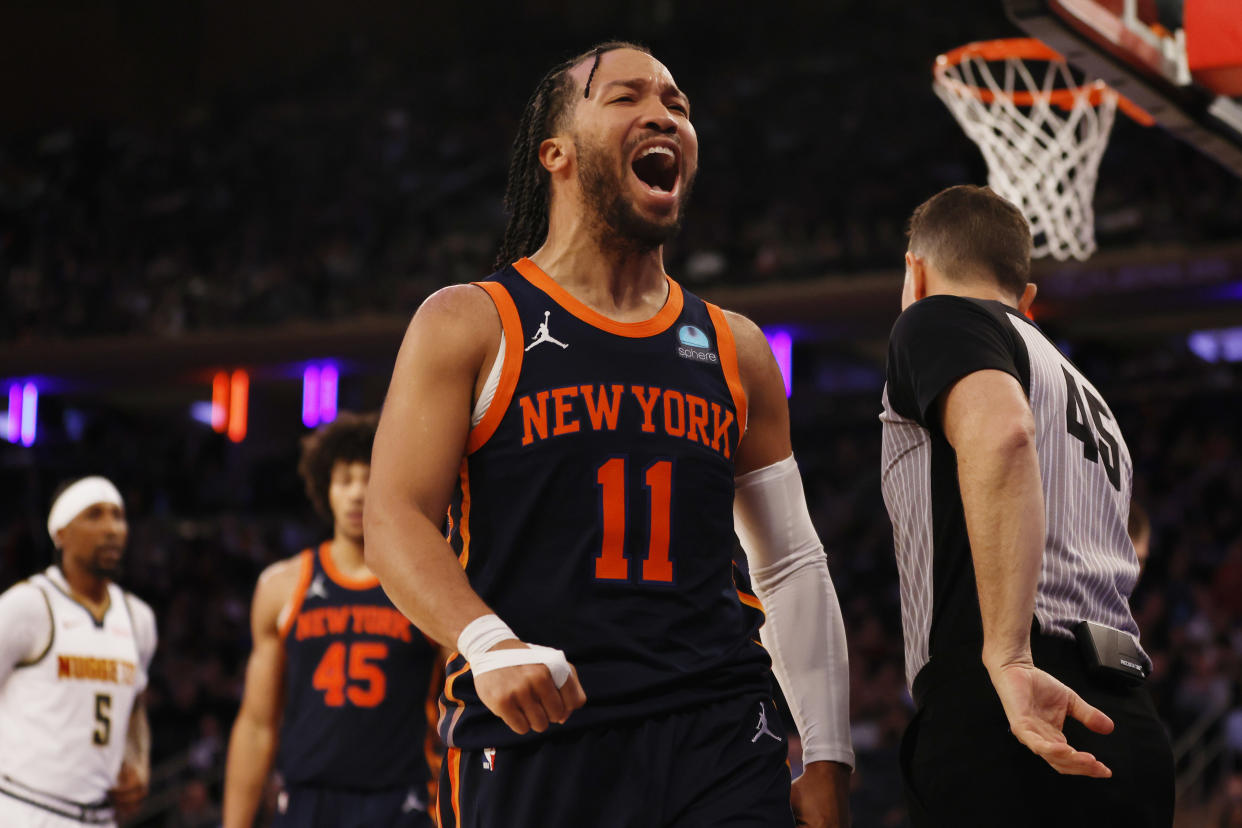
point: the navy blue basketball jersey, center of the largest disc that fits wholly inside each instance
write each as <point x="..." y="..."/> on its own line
<point x="357" y="681"/>
<point x="595" y="509"/>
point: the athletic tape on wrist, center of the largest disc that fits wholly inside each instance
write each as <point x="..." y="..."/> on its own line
<point x="549" y="657"/>
<point x="481" y="634"/>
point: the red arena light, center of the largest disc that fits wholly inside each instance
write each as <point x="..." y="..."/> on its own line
<point x="239" y="405"/>
<point x="220" y="402"/>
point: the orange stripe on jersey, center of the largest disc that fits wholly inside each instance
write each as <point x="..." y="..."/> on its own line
<point x="511" y="324"/>
<point x="340" y="578"/>
<point x="464" y="557"/>
<point x="650" y="327"/>
<point x="728" y="363"/>
<point x="299" y="592"/>
<point x="431" y="745"/>
<point x="750" y="601"/>
<point x="454" y="760"/>
<point x="458" y="704"/>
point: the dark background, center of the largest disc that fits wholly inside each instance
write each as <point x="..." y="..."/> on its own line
<point x="191" y="187"/>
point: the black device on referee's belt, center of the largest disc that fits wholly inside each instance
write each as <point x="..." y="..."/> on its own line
<point x="1110" y="654"/>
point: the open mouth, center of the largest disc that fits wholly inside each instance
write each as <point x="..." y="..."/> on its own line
<point x="656" y="166"/>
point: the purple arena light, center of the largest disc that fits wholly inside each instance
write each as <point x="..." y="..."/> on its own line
<point x="328" y="376"/>
<point x="310" y="396"/>
<point x="1220" y="345"/>
<point x="780" y="341"/>
<point x="30" y="414"/>
<point x="15" y="413"/>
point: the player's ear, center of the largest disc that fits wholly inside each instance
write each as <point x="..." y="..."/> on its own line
<point x="915" y="285"/>
<point x="1027" y="298"/>
<point x="555" y="153"/>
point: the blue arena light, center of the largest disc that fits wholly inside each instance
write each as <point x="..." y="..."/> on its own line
<point x="780" y="341"/>
<point x="1231" y="292"/>
<point x="202" y="412"/>
<point x="30" y="414"/>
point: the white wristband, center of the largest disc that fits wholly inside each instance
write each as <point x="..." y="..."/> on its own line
<point x="481" y="634"/>
<point x="549" y="657"/>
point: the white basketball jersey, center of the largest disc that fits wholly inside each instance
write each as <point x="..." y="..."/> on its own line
<point x="64" y="718"/>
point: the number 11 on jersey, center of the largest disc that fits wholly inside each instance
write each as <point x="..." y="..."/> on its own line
<point x="612" y="565"/>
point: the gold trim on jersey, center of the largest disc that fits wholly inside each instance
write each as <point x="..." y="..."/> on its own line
<point x="97" y="619"/>
<point x="51" y="623"/>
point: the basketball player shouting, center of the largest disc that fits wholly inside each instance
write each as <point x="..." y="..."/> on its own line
<point x="74" y="739"/>
<point x="596" y="421"/>
<point x="333" y="672"/>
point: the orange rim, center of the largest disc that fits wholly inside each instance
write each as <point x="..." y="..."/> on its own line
<point x="1029" y="48"/>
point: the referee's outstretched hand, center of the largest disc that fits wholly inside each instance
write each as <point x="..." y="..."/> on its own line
<point x="525" y="696"/>
<point x="1036" y="705"/>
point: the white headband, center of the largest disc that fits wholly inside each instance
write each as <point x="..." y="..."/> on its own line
<point x="79" y="497"/>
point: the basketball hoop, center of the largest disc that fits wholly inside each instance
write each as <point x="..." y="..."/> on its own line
<point x="1042" y="138"/>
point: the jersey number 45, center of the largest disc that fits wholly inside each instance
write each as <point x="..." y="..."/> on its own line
<point x="1104" y="449"/>
<point x="363" y="685"/>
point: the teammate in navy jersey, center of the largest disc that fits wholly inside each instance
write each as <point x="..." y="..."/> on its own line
<point x="337" y="679"/>
<point x="592" y="425"/>
<point x="1008" y="483"/>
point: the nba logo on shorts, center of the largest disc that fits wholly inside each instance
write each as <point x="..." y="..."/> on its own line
<point x="489" y="758"/>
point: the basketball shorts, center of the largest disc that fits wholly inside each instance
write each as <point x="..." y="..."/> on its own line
<point x="310" y="807"/>
<point x="719" y="766"/>
<point x="963" y="768"/>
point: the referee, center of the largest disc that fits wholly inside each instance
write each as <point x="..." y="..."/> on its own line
<point x="1008" y="485"/>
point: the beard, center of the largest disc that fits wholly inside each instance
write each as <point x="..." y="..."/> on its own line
<point x="101" y="567"/>
<point x="618" y="224"/>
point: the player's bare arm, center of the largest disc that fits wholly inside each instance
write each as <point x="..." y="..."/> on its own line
<point x="443" y="362"/>
<point x="135" y="775"/>
<point x="766" y="440"/>
<point x="987" y="420"/>
<point x="820" y="797"/>
<point x="255" y="737"/>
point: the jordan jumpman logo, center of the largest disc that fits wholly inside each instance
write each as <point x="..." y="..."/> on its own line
<point x="762" y="727"/>
<point x="542" y="334"/>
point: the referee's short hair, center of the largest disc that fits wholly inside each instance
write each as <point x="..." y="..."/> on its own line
<point x="968" y="232"/>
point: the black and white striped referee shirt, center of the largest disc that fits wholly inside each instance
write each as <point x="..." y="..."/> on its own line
<point x="1089" y="566"/>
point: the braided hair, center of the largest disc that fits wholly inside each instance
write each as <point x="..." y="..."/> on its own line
<point x="527" y="190"/>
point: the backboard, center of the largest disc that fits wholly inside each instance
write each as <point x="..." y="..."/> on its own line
<point x="1181" y="60"/>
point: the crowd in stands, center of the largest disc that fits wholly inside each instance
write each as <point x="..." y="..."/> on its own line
<point x="199" y="541"/>
<point x="352" y="193"/>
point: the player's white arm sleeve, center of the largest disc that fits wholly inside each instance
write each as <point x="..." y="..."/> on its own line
<point x="804" y="632"/>
<point x="25" y="627"/>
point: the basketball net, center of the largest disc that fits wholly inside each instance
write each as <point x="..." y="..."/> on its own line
<point x="1042" y="134"/>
